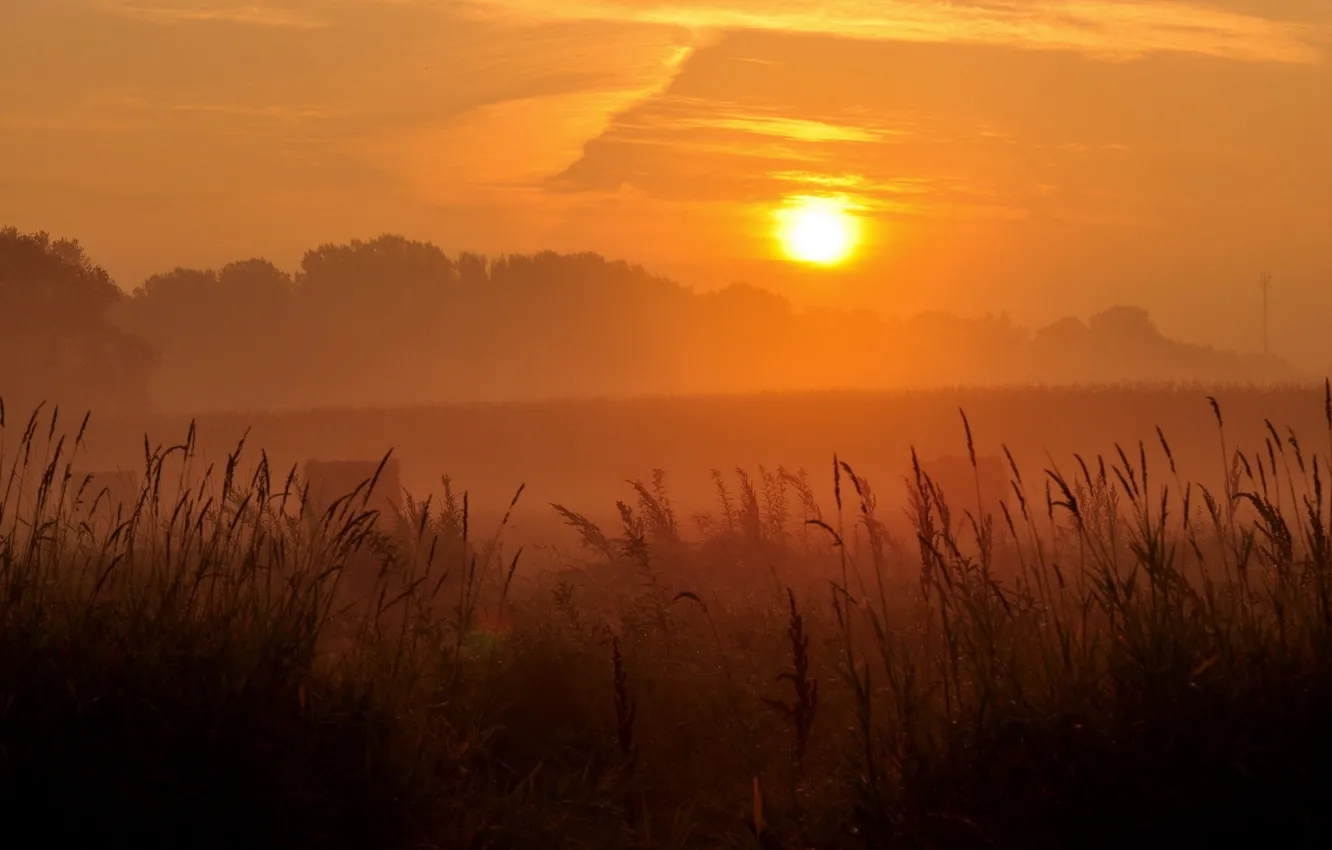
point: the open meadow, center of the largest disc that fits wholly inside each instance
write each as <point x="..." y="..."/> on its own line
<point x="1131" y="649"/>
<point x="582" y="453"/>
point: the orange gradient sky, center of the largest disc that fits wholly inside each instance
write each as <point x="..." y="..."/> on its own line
<point x="1043" y="157"/>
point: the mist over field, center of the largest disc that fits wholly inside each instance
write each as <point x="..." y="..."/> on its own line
<point x="576" y="375"/>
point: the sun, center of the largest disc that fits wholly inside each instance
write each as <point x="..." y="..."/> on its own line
<point x="817" y="230"/>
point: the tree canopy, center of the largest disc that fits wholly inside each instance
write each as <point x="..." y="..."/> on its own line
<point x="58" y="340"/>
<point x="397" y="321"/>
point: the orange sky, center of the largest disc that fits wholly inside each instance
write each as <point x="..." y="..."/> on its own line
<point x="1036" y="156"/>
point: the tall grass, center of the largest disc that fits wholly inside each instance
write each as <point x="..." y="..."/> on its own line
<point x="1113" y="655"/>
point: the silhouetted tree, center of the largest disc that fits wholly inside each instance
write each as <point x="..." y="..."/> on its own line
<point x="386" y="270"/>
<point x="473" y="270"/>
<point x="57" y="338"/>
<point x="224" y="331"/>
<point x="1125" y="326"/>
<point x="368" y="308"/>
<point x="394" y="320"/>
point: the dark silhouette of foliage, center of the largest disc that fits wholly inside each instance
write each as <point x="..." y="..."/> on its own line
<point x="58" y="339"/>
<point x="398" y="321"/>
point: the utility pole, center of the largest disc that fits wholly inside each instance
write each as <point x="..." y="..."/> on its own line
<point x="1266" y="283"/>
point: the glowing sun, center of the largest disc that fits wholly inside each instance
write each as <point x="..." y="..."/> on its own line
<point x="817" y="230"/>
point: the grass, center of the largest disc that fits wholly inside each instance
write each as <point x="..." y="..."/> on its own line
<point x="1112" y="656"/>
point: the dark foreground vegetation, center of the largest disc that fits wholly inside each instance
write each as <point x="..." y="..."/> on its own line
<point x="1113" y="657"/>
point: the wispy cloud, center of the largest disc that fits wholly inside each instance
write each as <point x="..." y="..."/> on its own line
<point x="515" y="143"/>
<point x="915" y="196"/>
<point x="795" y="129"/>
<point x="252" y="13"/>
<point x="1109" y="28"/>
<point x="672" y="114"/>
<point x="853" y="182"/>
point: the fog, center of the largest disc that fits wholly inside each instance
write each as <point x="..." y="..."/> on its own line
<point x="575" y="375"/>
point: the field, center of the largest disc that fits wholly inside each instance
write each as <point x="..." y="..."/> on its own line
<point x="581" y="453"/>
<point x="1135" y="651"/>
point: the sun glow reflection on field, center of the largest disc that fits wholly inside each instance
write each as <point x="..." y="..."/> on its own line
<point x="817" y="230"/>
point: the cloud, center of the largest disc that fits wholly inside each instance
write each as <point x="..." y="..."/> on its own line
<point x="721" y="126"/>
<point x="853" y="182"/>
<point x="882" y="160"/>
<point x="514" y="142"/>
<point x="795" y="129"/>
<point x="253" y="13"/>
<point x="1106" y="28"/>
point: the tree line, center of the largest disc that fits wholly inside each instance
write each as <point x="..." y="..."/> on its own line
<point x="397" y="321"/>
